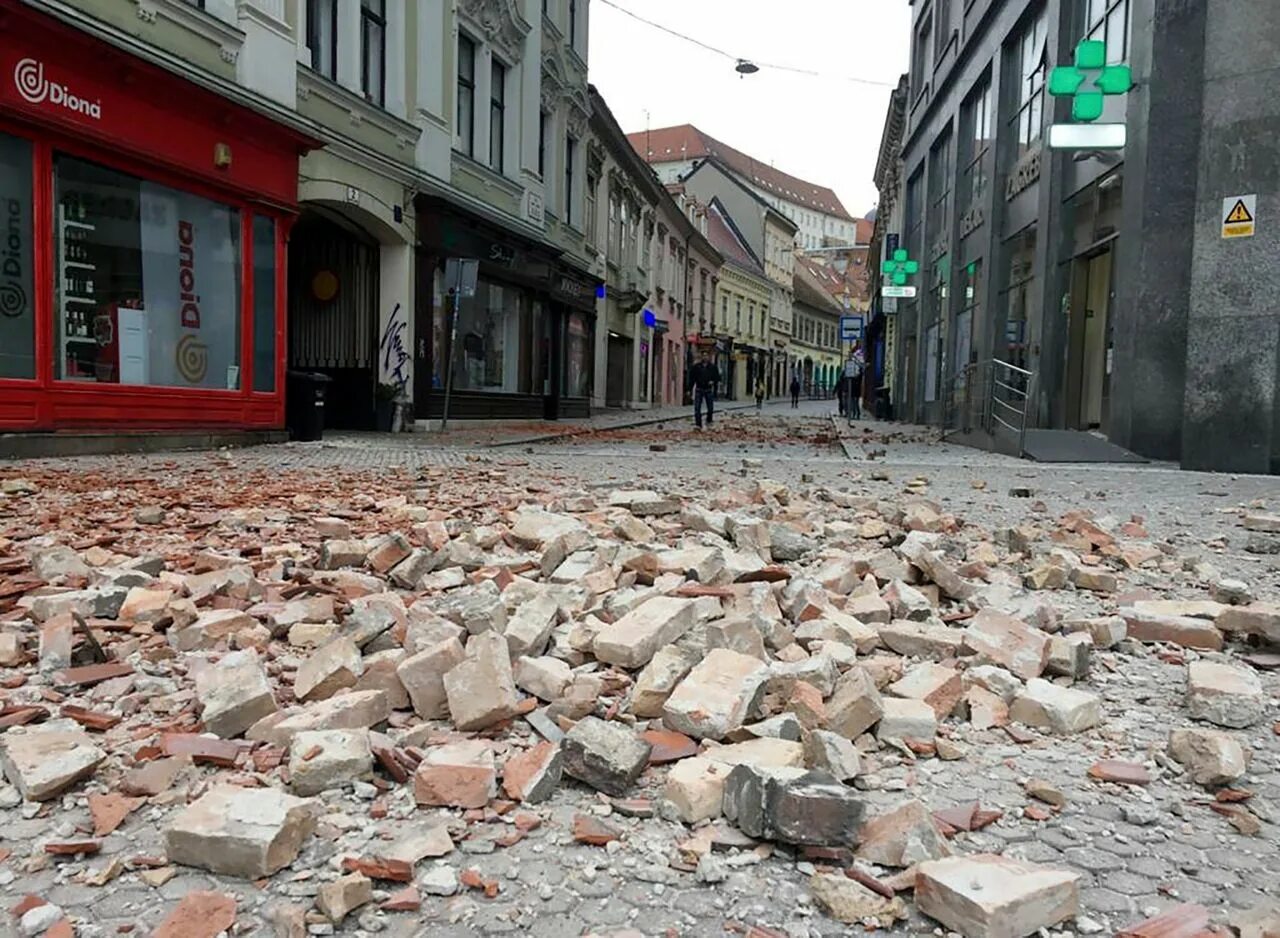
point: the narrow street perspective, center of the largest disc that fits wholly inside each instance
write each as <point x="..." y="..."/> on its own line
<point x="639" y="468"/>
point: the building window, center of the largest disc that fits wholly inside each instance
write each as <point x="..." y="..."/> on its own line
<point x="977" y="136"/>
<point x="963" y="342"/>
<point x="724" y="313"/>
<point x="921" y="57"/>
<point x="373" y="50"/>
<point x="590" y="223"/>
<point x="573" y="25"/>
<point x="631" y="227"/>
<point x="570" y="151"/>
<point x="543" y="119"/>
<point x="497" y="114"/>
<point x="1022" y="303"/>
<point x="466" y="95"/>
<point x="1032" y="63"/>
<point x="942" y="13"/>
<point x="147" y="290"/>
<point x="939" y="186"/>
<point x="198" y="4"/>
<point x="17" y="259"/>
<point x="1108" y="20"/>
<point x="616" y="214"/>
<point x="322" y="36"/>
<point x="737" y="318"/>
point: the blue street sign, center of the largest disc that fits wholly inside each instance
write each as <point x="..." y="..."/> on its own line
<point x="850" y="328"/>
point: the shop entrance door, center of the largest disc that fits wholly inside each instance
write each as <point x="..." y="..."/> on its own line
<point x="1089" y="376"/>
<point x="333" y="303"/>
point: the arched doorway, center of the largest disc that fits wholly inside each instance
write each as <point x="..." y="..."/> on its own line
<point x="333" y="312"/>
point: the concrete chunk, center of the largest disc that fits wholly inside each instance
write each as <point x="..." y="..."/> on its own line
<point x="245" y="832"/>
<point x="1178" y="630"/>
<point x="695" y="789"/>
<point x="855" y="706"/>
<point x="359" y="709"/>
<point x="633" y="640"/>
<point x="1061" y="710"/>
<point x="1225" y="695"/>
<point x="545" y="678"/>
<point x="659" y="678"/>
<point x="423" y="677"/>
<point x="990" y="896"/>
<point x="530" y="628"/>
<point x="532" y="776"/>
<point x="334" y="667"/>
<point x="938" y="686"/>
<point x="324" y="759"/>
<point x="1211" y="757"/>
<point x="902" y="837"/>
<point x="481" y="690"/>
<point x="1000" y="639"/>
<point x="457" y="775"/>
<point x="832" y="753"/>
<point x="234" y="694"/>
<point x="907" y="719"/>
<point x="793" y="806"/>
<point x="607" y="756"/>
<point x="913" y="640"/>
<point x="718" y="695"/>
<point x="43" y="760"/>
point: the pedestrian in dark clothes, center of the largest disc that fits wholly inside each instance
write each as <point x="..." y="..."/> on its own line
<point x="795" y="392"/>
<point x="705" y="376"/>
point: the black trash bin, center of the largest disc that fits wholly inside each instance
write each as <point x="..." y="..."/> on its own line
<point x="304" y="405"/>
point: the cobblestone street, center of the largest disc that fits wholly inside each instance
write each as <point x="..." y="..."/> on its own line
<point x="1142" y="834"/>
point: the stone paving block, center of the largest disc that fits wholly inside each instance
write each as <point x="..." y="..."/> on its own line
<point x="481" y="689"/>
<point x="245" y="832"/>
<point x="607" y="756"/>
<point x="234" y="694"/>
<point x="717" y="696"/>
<point x="43" y="760"/>
<point x="457" y="775"/>
<point x="324" y="759"/>
<point x="1224" y="695"/>
<point x="989" y="896"/>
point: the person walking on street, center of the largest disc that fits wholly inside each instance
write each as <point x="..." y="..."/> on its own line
<point x="760" y="394"/>
<point x="853" y="368"/>
<point x="795" y="392"/>
<point x="705" y="376"/>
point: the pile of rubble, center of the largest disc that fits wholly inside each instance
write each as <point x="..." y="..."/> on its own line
<point x="748" y="665"/>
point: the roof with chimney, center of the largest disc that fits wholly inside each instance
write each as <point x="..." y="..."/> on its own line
<point x="686" y="142"/>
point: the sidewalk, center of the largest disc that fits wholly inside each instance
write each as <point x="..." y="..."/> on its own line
<point x="487" y="434"/>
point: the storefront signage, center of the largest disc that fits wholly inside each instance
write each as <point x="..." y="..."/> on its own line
<point x="905" y="293"/>
<point x="1088" y="82"/>
<point x="971" y="221"/>
<point x="13" y="274"/>
<point x="1025" y="175"/>
<point x="574" y="289"/>
<point x="502" y="255"/>
<point x="37" y="88"/>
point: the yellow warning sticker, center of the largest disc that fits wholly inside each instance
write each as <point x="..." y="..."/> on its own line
<point x="1239" y="213"/>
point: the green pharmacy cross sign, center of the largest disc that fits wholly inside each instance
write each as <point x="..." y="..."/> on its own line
<point x="900" y="267"/>
<point x="1088" y="83"/>
<point x="1090" y="80"/>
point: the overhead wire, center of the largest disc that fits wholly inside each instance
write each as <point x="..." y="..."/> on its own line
<point x="738" y="58"/>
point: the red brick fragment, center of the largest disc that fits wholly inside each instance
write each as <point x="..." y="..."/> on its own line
<point x="396" y="871"/>
<point x="199" y="915"/>
<point x="72" y="847"/>
<point x="593" y="831"/>
<point x="91" y="674"/>
<point x="1124" y="773"/>
<point x="110" y="810"/>
<point x="668" y="746"/>
<point x="406" y="900"/>
<point x="1182" y="921"/>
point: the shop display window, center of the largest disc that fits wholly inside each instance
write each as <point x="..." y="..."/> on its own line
<point x="578" y="357"/>
<point x="264" y="304"/>
<point x="147" y="282"/>
<point x="17" y="282"/>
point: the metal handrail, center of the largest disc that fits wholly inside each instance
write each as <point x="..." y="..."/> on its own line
<point x="1018" y="402"/>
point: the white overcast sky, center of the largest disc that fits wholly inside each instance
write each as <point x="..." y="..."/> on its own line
<point x="825" y="130"/>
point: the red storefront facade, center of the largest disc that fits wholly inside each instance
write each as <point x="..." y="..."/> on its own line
<point x="143" y="224"/>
